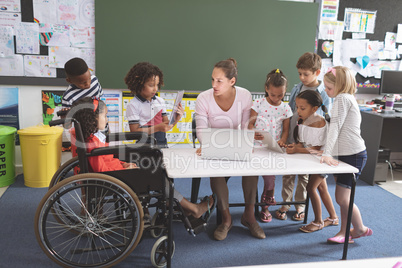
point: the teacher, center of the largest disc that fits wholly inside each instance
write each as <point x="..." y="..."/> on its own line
<point x="228" y="106"/>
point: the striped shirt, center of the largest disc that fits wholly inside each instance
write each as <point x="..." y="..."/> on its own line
<point x="74" y="93"/>
<point x="344" y="131"/>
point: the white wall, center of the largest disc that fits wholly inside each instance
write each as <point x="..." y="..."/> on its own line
<point x="29" y="109"/>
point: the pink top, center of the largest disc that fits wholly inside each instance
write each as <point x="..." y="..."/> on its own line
<point x="209" y="115"/>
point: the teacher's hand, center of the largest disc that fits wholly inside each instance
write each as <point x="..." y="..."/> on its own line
<point x="198" y="151"/>
<point x="329" y="160"/>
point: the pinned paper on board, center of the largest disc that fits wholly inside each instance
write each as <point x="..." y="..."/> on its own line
<point x="363" y="61"/>
<point x="328" y="48"/>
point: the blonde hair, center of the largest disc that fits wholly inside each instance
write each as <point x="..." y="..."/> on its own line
<point x="343" y="80"/>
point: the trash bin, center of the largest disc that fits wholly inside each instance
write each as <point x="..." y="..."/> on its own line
<point x="7" y="155"/>
<point x="41" y="154"/>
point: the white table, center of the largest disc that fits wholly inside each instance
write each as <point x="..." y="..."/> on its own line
<point x="185" y="163"/>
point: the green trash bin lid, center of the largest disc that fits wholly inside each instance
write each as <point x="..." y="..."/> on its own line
<point x="40" y="130"/>
<point x="6" y="130"/>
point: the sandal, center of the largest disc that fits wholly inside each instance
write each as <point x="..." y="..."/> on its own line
<point x="270" y="200"/>
<point x="298" y="216"/>
<point x="312" y="227"/>
<point x="328" y="221"/>
<point x="281" y="214"/>
<point x="265" y="217"/>
<point x="208" y="213"/>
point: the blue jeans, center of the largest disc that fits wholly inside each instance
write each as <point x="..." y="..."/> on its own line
<point x="358" y="161"/>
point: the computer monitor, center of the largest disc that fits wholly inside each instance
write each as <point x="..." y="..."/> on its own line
<point x="391" y="82"/>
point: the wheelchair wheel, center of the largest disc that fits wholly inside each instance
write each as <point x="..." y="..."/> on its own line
<point x="66" y="170"/>
<point x="159" y="252"/>
<point x="89" y="220"/>
<point x="157" y="220"/>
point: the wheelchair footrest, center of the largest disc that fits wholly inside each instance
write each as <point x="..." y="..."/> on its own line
<point x="198" y="225"/>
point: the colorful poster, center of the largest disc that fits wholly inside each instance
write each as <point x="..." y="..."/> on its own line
<point x="10" y="19"/>
<point x="38" y="66"/>
<point x="51" y="104"/>
<point x="329" y="10"/>
<point x="54" y="34"/>
<point x="58" y="56"/>
<point x="67" y="11"/>
<point x="6" y="41"/>
<point x="357" y="20"/>
<point x="82" y="37"/>
<point x="10" y="6"/>
<point x="27" y="38"/>
<point x="113" y="98"/>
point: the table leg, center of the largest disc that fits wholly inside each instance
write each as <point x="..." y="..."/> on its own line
<point x="306" y="209"/>
<point x="350" y="211"/>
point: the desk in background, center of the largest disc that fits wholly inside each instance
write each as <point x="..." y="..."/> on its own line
<point x="379" y="129"/>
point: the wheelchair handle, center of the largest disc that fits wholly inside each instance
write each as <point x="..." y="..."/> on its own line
<point x="56" y="122"/>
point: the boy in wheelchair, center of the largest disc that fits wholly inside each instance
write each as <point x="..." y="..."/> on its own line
<point x="91" y="114"/>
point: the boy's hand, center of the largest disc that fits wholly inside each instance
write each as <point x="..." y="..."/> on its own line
<point x="282" y="143"/>
<point x="163" y="127"/>
<point x="198" y="151"/>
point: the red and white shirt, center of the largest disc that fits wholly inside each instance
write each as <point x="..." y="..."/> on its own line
<point x="145" y="113"/>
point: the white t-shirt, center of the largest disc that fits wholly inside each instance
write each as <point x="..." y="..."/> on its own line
<point x="270" y="118"/>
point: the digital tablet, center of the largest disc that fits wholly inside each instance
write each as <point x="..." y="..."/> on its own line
<point x="270" y="142"/>
<point x="178" y="99"/>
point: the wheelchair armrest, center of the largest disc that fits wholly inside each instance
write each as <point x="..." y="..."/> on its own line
<point x="56" y="122"/>
<point x="125" y="136"/>
<point x="129" y="148"/>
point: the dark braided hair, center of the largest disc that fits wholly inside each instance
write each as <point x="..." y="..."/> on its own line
<point x="83" y="112"/>
<point x="139" y="75"/>
<point x="275" y="78"/>
<point x="314" y="99"/>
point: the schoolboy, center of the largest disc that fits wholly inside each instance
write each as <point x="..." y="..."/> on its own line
<point x="309" y="68"/>
<point x="82" y="83"/>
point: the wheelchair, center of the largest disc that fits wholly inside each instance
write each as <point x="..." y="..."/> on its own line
<point x="97" y="219"/>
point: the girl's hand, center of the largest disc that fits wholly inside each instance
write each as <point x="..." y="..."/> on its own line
<point x="291" y="148"/>
<point x="163" y="127"/>
<point x="198" y="151"/>
<point x="129" y="165"/>
<point x="258" y="136"/>
<point x="315" y="152"/>
<point x="329" y="160"/>
<point x="282" y="143"/>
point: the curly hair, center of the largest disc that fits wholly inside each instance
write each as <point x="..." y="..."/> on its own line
<point x="139" y="75"/>
<point x="83" y="112"/>
<point x="75" y="67"/>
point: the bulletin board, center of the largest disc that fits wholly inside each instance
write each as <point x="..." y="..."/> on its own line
<point x="38" y="36"/>
<point x="185" y="38"/>
<point x="387" y="20"/>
